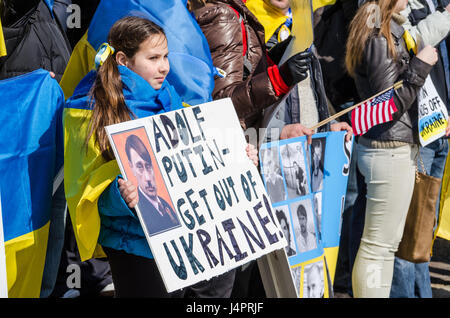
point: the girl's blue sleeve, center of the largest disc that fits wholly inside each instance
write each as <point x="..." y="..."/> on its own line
<point x="111" y="202"/>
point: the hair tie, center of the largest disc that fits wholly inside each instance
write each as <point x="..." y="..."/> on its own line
<point x="103" y="53"/>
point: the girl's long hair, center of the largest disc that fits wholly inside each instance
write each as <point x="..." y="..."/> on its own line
<point x="106" y="95"/>
<point x="371" y="15"/>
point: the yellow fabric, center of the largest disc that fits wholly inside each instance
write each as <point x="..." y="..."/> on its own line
<point x="410" y="43"/>
<point x="443" y="227"/>
<point x="316" y="4"/>
<point x="269" y="17"/>
<point x="2" y="41"/>
<point x="80" y="63"/>
<point x="331" y="253"/>
<point x="25" y="261"/>
<point x="86" y="176"/>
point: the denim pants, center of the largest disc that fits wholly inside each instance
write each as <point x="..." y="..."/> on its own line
<point x="389" y="174"/>
<point x="412" y="280"/>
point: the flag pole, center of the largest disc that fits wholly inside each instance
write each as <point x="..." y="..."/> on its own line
<point x="397" y="85"/>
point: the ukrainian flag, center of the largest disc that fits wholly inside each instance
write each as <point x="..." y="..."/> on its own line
<point x="191" y="73"/>
<point x="30" y="156"/>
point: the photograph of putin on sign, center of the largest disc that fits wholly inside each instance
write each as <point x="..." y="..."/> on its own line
<point x="157" y="214"/>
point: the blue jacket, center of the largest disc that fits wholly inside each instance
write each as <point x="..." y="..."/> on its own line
<point x="120" y="227"/>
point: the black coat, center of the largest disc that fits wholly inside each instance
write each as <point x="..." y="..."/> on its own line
<point x="378" y="71"/>
<point x="36" y="40"/>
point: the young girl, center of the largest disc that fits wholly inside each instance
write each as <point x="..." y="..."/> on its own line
<point x="377" y="58"/>
<point x="129" y="83"/>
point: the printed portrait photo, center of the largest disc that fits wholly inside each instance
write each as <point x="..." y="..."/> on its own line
<point x="303" y="224"/>
<point x="284" y="218"/>
<point x="317" y="204"/>
<point x="138" y="161"/>
<point x="313" y="280"/>
<point x="294" y="169"/>
<point x="317" y="163"/>
<point x="272" y="174"/>
<point x="296" y="273"/>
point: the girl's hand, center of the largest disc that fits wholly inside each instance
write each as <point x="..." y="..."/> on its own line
<point x="252" y="153"/>
<point x="129" y="193"/>
<point x="428" y="55"/>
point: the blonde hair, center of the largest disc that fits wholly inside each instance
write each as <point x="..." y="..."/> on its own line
<point x="362" y="27"/>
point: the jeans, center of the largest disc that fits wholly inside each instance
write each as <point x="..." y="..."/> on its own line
<point x="412" y="280"/>
<point x="389" y="174"/>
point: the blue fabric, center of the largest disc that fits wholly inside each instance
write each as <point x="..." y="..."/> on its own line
<point x="191" y="69"/>
<point x="140" y="97"/>
<point x="31" y="134"/>
<point x="411" y="280"/>
<point x="120" y="228"/>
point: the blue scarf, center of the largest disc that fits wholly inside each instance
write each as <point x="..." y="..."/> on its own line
<point x="141" y="98"/>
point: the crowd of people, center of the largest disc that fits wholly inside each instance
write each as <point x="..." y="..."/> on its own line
<point x="349" y="60"/>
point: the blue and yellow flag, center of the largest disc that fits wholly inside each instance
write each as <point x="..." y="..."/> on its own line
<point x="31" y="155"/>
<point x="191" y="69"/>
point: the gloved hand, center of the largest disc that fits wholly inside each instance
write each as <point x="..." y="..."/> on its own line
<point x="295" y="69"/>
<point x="277" y="51"/>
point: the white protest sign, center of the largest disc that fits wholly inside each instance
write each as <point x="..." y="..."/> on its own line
<point x="433" y="114"/>
<point x="3" y="277"/>
<point x="202" y="202"/>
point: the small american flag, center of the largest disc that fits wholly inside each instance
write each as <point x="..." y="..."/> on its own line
<point x="375" y="111"/>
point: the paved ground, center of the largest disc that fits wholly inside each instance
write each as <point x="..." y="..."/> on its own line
<point x="439" y="271"/>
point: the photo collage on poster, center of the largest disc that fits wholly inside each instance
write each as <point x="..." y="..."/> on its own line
<point x="293" y="173"/>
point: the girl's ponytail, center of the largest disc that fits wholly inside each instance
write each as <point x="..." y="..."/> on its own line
<point x="110" y="107"/>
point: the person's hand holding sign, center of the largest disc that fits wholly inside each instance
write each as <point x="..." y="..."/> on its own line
<point x="296" y="130"/>
<point x="252" y="153"/>
<point x="343" y="126"/>
<point x="129" y="193"/>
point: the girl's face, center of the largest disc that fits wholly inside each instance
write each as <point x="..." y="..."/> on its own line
<point x="401" y="5"/>
<point x="151" y="61"/>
